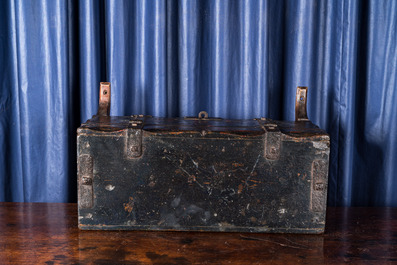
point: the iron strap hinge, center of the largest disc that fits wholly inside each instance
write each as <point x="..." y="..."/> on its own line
<point x="134" y="139"/>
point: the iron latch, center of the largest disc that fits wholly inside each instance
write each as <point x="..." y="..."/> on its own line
<point x="134" y="139"/>
<point x="272" y="138"/>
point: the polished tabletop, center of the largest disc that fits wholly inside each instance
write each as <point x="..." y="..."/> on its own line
<point x="47" y="233"/>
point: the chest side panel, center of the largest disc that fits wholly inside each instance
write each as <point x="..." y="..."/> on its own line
<point x="212" y="183"/>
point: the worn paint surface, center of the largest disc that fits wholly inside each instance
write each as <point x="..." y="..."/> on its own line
<point x="208" y="175"/>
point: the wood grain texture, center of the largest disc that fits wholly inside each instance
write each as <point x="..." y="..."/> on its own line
<point x="47" y="233"/>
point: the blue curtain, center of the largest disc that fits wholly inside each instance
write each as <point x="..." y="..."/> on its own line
<point x="235" y="59"/>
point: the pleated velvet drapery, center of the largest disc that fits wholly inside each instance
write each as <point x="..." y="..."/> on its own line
<point x="234" y="59"/>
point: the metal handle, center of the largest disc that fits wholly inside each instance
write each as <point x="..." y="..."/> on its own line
<point x="104" y="99"/>
<point x="203" y="115"/>
<point x="301" y="104"/>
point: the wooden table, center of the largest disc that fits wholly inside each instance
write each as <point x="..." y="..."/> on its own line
<point x="47" y="233"/>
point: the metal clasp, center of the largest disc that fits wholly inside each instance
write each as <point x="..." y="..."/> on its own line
<point x="272" y="142"/>
<point x="272" y="138"/>
<point x="134" y="139"/>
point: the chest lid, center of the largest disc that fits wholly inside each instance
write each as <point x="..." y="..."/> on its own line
<point x="202" y="124"/>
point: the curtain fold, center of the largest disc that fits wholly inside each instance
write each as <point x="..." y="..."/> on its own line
<point x="234" y="59"/>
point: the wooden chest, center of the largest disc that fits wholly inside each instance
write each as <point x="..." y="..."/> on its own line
<point x="204" y="174"/>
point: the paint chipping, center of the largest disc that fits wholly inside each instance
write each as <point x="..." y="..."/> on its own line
<point x="129" y="206"/>
<point x="240" y="188"/>
<point x="110" y="187"/>
<point x="320" y="145"/>
<point x="175" y="202"/>
<point x="152" y="182"/>
<point x="252" y="171"/>
<point x="195" y="163"/>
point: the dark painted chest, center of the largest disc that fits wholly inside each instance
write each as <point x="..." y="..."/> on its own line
<point x="149" y="173"/>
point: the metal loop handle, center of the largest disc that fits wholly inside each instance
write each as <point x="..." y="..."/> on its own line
<point x="203" y="115"/>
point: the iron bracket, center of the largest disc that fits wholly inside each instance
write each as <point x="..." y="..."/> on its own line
<point x="318" y="185"/>
<point x="85" y="173"/>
